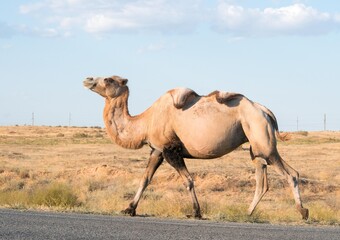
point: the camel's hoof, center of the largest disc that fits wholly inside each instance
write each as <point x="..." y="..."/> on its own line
<point x="196" y="216"/>
<point x="304" y="213"/>
<point x="130" y="211"/>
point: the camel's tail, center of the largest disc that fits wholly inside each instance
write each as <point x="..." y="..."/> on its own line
<point x="272" y="119"/>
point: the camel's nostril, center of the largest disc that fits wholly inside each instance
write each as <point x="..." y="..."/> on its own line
<point x="89" y="78"/>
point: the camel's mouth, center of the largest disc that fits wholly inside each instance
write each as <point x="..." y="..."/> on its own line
<point x="90" y="83"/>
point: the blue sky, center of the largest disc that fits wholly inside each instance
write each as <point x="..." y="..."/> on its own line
<point x="283" y="54"/>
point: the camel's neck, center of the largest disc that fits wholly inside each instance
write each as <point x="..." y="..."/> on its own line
<point x="124" y="130"/>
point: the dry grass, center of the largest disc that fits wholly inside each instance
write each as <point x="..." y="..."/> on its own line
<point x="78" y="169"/>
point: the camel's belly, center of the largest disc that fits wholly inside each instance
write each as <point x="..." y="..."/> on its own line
<point x="209" y="149"/>
<point x="210" y="141"/>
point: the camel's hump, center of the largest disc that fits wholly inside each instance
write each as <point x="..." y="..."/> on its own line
<point x="223" y="97"/>
<point x="180" y="96"/>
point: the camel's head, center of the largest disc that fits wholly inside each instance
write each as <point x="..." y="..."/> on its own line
<point x="108" y="87"/>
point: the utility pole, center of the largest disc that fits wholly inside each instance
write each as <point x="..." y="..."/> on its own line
<point x="32" y="118"/>
<point x="297" y="123"/>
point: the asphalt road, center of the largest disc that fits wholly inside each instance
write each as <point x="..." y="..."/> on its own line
<point x="41" y="225"/>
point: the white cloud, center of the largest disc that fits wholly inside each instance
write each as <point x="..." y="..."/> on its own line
<point x="100" y="17"/>
<point x="100" y="24"/>
<point x="152" y="15"/>
<point x="296" y="19"/>
<point x="105" y="16"/>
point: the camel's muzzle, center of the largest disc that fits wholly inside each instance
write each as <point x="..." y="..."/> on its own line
<point x="89" y="83"/>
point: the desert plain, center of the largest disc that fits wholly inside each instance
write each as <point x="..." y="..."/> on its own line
<point x="78" y="169"/>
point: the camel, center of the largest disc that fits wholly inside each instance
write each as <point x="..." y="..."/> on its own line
<point x="182" y="124"/>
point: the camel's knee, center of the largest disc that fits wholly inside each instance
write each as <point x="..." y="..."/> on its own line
<point x="291" y="174"/>
<point x="189" y="184"/>
<point x="293" y="180"/>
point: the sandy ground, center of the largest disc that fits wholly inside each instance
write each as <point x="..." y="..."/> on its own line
<point x="105" y="177"/>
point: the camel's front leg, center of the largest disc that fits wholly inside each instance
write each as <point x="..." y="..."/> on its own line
<point x="173" y="156"/>
<point x="261" y="183"/>
<point x="155" y="161"/>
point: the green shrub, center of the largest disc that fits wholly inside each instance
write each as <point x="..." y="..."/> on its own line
<point x="55" y="195"/>
<point x="14" y="199"/>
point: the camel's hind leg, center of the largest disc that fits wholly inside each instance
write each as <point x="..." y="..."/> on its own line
<point x="261" y="183"/>
<point x="155" y="161"/>
<point x="292" y="177"/>
<point x="172" y="155"/>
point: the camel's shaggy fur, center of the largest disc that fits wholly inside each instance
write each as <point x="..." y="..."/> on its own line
<point x="182" y="124"/>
